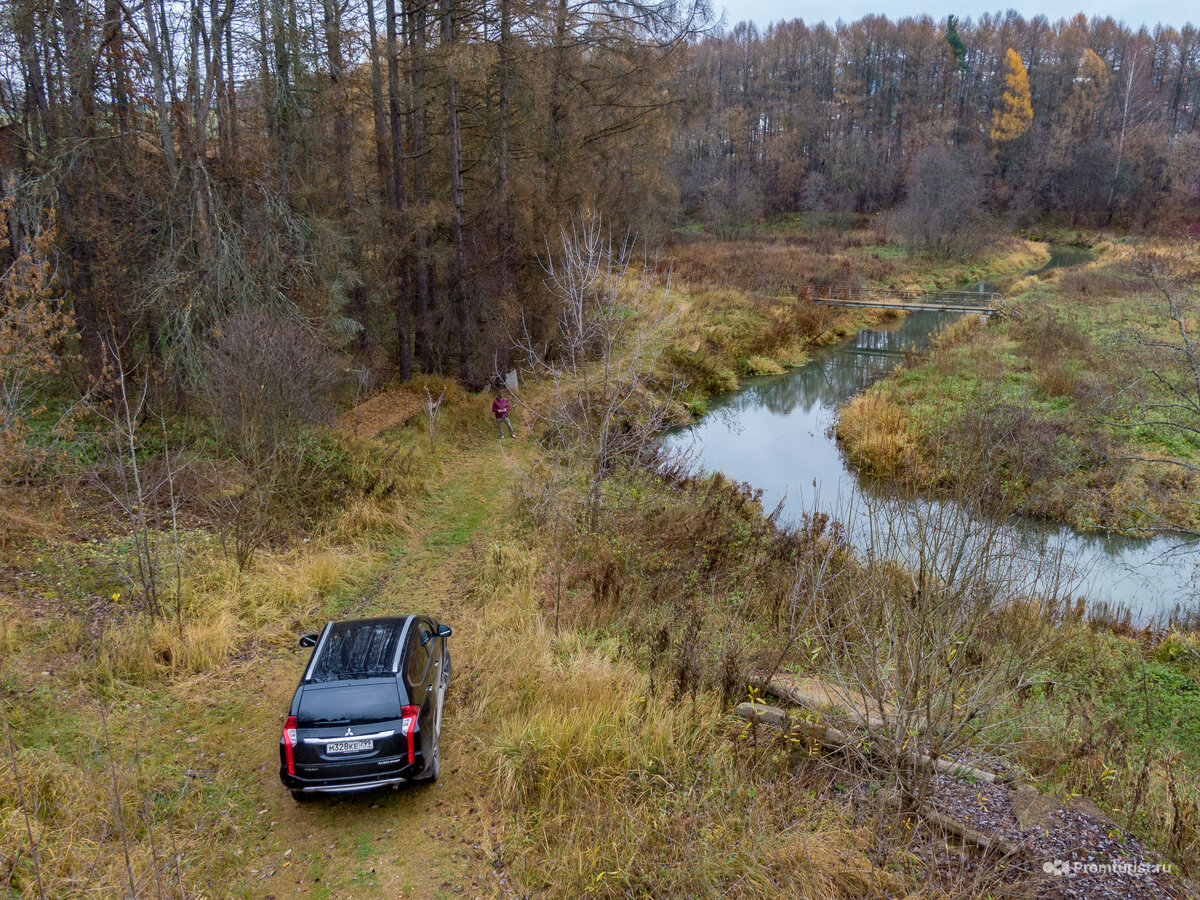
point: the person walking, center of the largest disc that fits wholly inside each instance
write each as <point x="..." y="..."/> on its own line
<point x="500" y="409"/>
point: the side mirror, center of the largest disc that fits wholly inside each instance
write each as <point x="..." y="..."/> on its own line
<point x="444" y="631"/>
<point x="309" y="640"/>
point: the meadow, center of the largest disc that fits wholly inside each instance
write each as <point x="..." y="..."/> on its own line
<point x="601" y="641"/>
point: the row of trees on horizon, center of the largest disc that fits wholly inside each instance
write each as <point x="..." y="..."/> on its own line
<point x="394" y="173"/>
<point x="1084" y="118"/>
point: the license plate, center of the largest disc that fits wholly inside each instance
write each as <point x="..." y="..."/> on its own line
<point x="349" y="746"/>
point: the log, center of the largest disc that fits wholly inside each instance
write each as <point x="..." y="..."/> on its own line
<point x="966" y="833"/>
<point x="812" y="694"/>
<point x="776" y="718"/>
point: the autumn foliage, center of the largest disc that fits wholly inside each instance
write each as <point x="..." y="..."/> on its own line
<point x="33" y="330"/>
<point x="1015" y="109"/>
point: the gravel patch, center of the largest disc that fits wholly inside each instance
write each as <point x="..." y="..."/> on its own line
<point x="1067" y="850"/>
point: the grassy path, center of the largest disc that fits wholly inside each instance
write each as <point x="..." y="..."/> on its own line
<point x="417" y="841"/>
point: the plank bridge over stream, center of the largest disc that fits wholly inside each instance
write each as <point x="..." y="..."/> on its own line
<point x="982" y="302"/>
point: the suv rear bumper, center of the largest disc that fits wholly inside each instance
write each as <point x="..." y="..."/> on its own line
<point x="348" y="788"/>
<point x="328" y="782"/>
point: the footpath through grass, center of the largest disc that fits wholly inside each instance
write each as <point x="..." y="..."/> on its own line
<point x="186" y="780"/>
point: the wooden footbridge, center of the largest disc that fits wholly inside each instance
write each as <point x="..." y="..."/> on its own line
<point x="981" y="302"/>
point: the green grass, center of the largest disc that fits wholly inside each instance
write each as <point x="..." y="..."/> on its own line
<point x="1063" y="360"/>
<point x="889" y="251"/>
<point x="592" y="761"/>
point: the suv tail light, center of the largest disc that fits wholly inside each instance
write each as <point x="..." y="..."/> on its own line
<point x="408" y="725"/>
<point x="289" y="741"/>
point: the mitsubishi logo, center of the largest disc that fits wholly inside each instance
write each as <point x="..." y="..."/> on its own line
<point x="349" y="733"/>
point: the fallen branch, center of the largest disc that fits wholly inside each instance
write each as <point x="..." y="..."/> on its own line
<point x="776" y="718"/>
<point x="814" y="699"/>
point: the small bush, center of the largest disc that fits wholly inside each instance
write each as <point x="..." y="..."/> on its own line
<point x="1046" y="337"/>
<point x="761" y="365"/>
<point x="266" y="377"/>
<point x="1058" y="380"/>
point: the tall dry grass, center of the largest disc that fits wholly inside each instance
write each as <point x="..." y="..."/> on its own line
<point x="613" y="790"/>
<point x="874" y="433"/>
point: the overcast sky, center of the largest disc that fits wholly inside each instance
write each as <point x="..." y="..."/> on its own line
<point x="1132" y="12"/>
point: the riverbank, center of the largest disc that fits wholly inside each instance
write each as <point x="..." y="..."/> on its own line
<point x="589" y="750"/>
<point x="1070" y="399"/>
<point x="688" y="579"/>
<point x="743" y="307"/>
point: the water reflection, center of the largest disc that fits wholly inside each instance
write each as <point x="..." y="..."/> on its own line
<point x="835" y="374"/>
<point x="774" y="434"/>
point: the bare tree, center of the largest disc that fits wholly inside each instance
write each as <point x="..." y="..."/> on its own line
<point x="937" y="633"/>
<point x="597" y="410"/>
<point x="138" y="488"/>
<point x="267" y="378"/>
<point x="941" y="213"/>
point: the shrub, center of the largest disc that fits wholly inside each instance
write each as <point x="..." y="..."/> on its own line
<point x="761" y="365"/>
<point x="1047" y="337"/>
<point x="266" y="377"/>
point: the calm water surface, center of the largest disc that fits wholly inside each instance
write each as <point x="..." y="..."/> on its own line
<point x="775" y="434"/>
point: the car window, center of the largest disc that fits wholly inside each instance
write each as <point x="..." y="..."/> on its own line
<point x="358" y="650"/>
<point x="418" y="655"/>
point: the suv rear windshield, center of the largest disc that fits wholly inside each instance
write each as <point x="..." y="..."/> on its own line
<point x="358" y="650"/>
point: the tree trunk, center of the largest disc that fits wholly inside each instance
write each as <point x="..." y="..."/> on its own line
<point x="114" y="40"/>
<point x="398" y="197"/>
<point x="341" y="131"/>
<point x="231" y="91"/>
<point x="505" y="75"/>
<point x="282" y="110"/>
<point x="457" y="198"/>
<point x="417" y="13"/>
<point x="382" y="159"/>
<point x="79" y="69"/>
<point x="161" y="107"/>
<point x="217" y="70"/>
<point x="503" y="188"/>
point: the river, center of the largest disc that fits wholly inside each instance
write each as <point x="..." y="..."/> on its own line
<point x="775" y="433"/>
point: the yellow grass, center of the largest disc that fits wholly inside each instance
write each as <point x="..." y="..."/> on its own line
<point x="874" y="434"/>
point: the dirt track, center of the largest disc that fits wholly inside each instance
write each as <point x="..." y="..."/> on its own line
<point x="393" y="407"/>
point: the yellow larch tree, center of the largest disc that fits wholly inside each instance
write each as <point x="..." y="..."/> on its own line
<point x="1088" y="95"/>
<point x="1015" y="111"/>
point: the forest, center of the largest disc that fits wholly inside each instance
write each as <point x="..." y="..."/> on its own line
<point x="1088" y="121"/>
<point x="389" y="174"/>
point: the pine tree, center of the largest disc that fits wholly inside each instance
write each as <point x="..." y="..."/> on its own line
<point x="1015" y="111"/>
<point x="957" y="47"/>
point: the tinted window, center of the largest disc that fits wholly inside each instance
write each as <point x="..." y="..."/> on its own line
<point x="358" y="650"/>
<point x="365" y="701"/>
<point x="418" y="656"/>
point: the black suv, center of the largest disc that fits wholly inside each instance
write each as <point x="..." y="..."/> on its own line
<point x="368" y="710"/>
